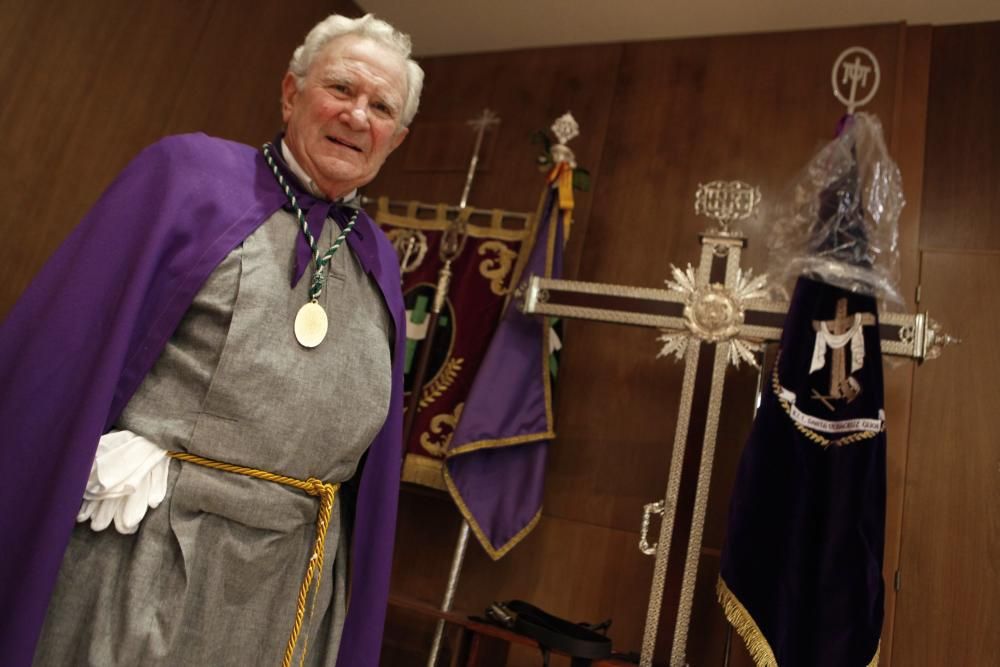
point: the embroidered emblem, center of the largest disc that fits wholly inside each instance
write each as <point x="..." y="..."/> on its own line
<point x="442" y="366"/>
<point x="444" y="379"/>
<point x="856" y="430"/>
<point x="411" y="248"/>
<point x="843" y="331"/>
<point x="496" y="269"/>
<point x="439" y="424"/>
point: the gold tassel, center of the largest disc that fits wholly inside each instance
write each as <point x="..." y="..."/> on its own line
<point x="562" y="175"/>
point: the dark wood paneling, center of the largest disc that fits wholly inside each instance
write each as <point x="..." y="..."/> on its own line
<point x="111" y="78"/>
<point x="528" y="90"/>
<point x="950" y="596"/>
<point x="82" y="106"/>
<point x="961" y="197"/>
<point x="907" y="148"/>
<point x="232" y="87"/>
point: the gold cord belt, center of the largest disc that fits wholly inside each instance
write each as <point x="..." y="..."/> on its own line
<point x="314" y="487"/>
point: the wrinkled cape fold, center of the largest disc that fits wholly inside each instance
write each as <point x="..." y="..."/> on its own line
<point x="91" y="325"/>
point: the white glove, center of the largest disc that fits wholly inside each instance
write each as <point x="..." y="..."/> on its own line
<point x="129" y="476"/>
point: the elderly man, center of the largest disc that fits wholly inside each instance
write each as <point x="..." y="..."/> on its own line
<point x="227" y="397"/>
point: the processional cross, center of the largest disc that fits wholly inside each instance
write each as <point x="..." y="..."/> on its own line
<point x="719" y="308"/>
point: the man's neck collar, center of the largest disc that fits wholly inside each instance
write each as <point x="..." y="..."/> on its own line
<point x="309" y="183"/>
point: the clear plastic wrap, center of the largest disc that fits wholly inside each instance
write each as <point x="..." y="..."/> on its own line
<point x="838" y="220"/>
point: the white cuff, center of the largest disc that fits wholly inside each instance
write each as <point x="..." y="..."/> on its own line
<point x="128" y="477"/>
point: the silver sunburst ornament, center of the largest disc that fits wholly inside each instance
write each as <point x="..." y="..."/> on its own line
<point x="713" y="313"/>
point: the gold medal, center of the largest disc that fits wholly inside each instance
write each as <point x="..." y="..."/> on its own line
<point x="310" y="325"/>
<point x="310" y="322"/>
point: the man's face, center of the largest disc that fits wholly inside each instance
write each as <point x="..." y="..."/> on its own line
<point x="345" y="120"/>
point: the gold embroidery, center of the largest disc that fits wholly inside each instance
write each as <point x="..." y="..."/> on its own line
<point x="497" y="269"/>
<point x="808" y="432"/>
<point x="411" y="247"/>
<point x="444" y="379"/>
<point x="438" y="424"/>
<point x="424" y="470"/>
<point x="841" y="384"/>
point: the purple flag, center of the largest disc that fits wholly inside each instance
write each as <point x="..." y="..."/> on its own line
<point x="496" y="461"/>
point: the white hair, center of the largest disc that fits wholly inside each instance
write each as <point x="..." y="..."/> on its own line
<point x="374" y="29"/>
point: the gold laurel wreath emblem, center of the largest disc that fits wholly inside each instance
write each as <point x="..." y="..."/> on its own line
<point x="441" y="382"/>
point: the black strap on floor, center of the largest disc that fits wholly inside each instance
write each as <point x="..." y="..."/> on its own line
<point x="578" y="640"/>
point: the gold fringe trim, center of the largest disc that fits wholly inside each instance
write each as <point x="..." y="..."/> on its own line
<point x="743" y="623"/>
<point x="425" y="471"/>
<point x="753" y="638"/>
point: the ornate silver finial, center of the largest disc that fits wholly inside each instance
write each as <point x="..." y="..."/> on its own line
<point x="565" y="128"/>
<point x="855" y="75"/>
<point x="726" y="202"/>
<point x="936" y="339"/>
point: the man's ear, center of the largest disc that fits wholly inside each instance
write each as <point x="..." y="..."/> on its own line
<point x="289" y="90"/>
<point x="398" y="138"/>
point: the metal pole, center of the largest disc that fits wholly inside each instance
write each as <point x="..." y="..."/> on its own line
<point x="758" y="394"/>
<point x="451" y="246"/>
<point x="449" y="594"/>
<point x="484" y="121"/>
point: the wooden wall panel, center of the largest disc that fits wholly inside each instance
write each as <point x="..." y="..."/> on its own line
<point x="88" y="85"/>
<point x="75" y="103"/>
<point x="907" y="148"/>
<point x="950" y="547"/>
<point x="950" y="580"/>
<point x="962" y="200"/>
<point x="232" y="88"/>
<point x="528" y="90"/>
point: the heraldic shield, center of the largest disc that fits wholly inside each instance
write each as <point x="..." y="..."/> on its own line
<point x="801" y="572"/>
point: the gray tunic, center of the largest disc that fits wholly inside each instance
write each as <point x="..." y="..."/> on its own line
<point x="212" y="575"/>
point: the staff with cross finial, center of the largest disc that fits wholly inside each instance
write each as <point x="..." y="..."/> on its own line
<point x="452" y="244"/>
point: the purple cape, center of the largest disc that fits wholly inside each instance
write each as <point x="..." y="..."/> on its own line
<point x="90" y="326"/>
